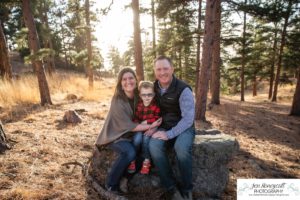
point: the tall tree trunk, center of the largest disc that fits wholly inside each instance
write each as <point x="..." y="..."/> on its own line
<point x="5" y="66"/>
<point x="34" y="46"/>
<point x="153" y="28"/>
<point x="89" y="45"/>
<point x="49" y="60"/>
<point x="48" y="42"/>
<point x="283" y="36"/>
<point x="198" y="63"/>
<point x="296" y="100"/>
<point x="64" y="45"/>
<point x="243" y="57"/>
<point x="254" y="91"/>
<point x="186" y="65"/>
<point x="138" y="52"/>
<point x="201" y="97"/>
<point x="273" y="62"/>
<point x="216" y="60"/>
<point x="180" y="63"/>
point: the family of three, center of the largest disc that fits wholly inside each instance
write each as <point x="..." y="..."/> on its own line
<point x="151" y="118"/>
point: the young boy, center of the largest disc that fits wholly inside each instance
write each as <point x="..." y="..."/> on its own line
<point x="148" y="112"/>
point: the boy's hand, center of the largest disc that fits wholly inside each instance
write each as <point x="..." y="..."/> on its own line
<point x="150" y="132"/>
<point x="157" y="123"/>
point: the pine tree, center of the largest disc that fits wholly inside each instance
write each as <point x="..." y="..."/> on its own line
<point x="35" y="47"/>
<point x="5" y="66"/>
<point x="208" y="42"/>
<point x="287" y="15"/>
<point x="89" y="45"/>
<point x="216" y="58"/>
<point x="138" y="52"/>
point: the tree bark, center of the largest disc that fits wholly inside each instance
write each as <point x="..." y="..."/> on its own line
<point x="89" y="45"/>
<point x="138" y="52"/>
<point x="64" y="45"/>
<point x="153" y="28"/>
<point x="180" y="63"/>
<point x="273" y="62"/>
<point x="5" y="66"/>
<point x="49" y="44"/>
<point x="243" y="57"/>
<point x="198" y="45"/>
<point x="186" y="65"/>
<point x="34" y="46"/>
<point x="296" y="100"/>
<point x="254" y="91"/>
<point x="3" y="140"/>
<point x="283" y="36"/>
<point x="201" y="97"/>
<point x="216" y="60"/>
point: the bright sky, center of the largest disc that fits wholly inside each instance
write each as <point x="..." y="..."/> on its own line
<point x="116" y="28"/>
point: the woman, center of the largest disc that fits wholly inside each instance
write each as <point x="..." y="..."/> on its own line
<point x="118" y="128"/>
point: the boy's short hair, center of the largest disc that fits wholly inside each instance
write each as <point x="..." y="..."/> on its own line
<point x="146" y="84"/>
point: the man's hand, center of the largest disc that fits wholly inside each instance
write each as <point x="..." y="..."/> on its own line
<point x="162" y="135"/>
<point x="157" y="123"/>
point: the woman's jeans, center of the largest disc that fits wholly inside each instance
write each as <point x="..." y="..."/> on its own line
<point x="126" y="153"/>
<point x="182" y="145"/>
<point x="139" y="139"/>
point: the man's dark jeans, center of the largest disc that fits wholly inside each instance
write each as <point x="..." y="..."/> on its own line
<point x="182" y="145"/>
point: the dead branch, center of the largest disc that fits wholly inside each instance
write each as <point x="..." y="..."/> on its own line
<point x="76" y="163"/>
<point x="104" y="193"/>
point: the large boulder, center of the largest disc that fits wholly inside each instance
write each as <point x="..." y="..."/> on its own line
<point x="212" y="151"/>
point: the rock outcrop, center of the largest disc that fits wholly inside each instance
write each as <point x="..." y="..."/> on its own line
<point x="212" y="151"/>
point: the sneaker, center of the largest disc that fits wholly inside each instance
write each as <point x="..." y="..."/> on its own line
<point x="113" y="190"/>
<point x="177" y="195"/>
<point x="172" y="194"/>
<point x="146" y="167"/>
<point x="188" y="195"/>
<point x="131" y="168"/>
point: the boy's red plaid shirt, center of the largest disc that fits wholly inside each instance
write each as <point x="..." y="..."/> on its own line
<point x="150" y="113"/>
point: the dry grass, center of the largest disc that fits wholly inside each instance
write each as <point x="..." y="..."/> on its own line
<point x="25" y="90"/>
<point x="17" y="92"/>
<point x="21" y="97"/>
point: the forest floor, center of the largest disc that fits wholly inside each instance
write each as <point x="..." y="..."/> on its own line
<point x="41" y="142"/>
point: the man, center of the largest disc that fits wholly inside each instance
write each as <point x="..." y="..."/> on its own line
<point x="177" y="129"/>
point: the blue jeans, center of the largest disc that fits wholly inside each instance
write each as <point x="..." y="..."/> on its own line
<point x="126" y="154"/>
<point x="182" y="145"/>
<point x="141" y="140"/>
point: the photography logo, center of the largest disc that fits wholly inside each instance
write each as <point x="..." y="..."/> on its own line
<point x="264" y="189"/>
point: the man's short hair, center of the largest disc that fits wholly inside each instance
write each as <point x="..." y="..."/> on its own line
<point x="163" y="58"/>
<point x="146" y="84"/>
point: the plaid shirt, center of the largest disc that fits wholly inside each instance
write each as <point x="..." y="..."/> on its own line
<point x="150" y="113"/>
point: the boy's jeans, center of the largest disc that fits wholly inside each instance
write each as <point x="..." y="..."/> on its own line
<point x="141" y="140"/>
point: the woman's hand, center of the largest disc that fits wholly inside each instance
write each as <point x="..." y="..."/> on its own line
<point x="157" y="123"/>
